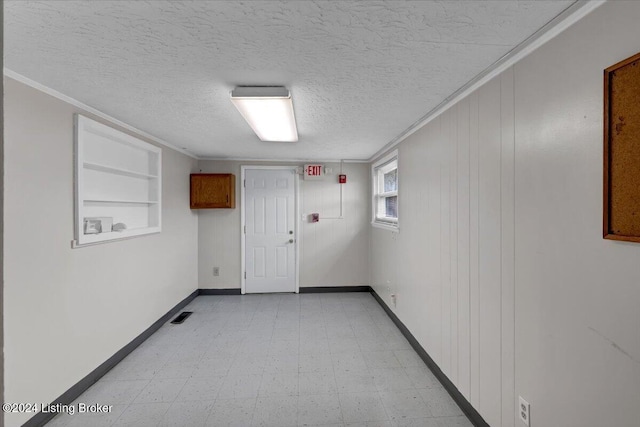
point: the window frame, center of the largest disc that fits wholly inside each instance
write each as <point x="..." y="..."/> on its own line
<point x="384" y="165"/>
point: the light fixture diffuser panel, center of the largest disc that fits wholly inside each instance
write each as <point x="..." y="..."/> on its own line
<point x="268" y="110"/>
<point x="260" y="92"/>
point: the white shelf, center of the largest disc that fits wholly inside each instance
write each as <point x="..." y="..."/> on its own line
<point x="118" y="171"/>
<point x="118" y="181"/>
<point x="93" y="239"/>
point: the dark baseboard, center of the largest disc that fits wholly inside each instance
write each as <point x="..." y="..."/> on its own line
<point x="232" y="291"/>
<point x="464" y="404"/>
<point x="305" y="290"/>
<point x="81" y="386"/>
<point x="328" y="289"/>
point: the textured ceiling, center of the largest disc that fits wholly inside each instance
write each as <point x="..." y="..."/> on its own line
<point x="360" y="72"/>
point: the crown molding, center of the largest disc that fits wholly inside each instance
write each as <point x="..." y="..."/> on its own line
<point x="52" y="92"/>
<point x="557" y="25"/>
<point x="247" y="159"/>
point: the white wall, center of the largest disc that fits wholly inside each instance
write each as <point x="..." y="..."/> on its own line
<point x="577" y="295"/>
<point x="499" y="266"/>
<point x="333" y="252"/>
<point x="69" y="310"/>
<point x="2" y="213"/>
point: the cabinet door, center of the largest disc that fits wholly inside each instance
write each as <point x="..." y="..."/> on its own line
<point x="213" y="191"/>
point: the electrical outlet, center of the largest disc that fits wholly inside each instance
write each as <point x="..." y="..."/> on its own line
<point x="523" y="411"/>
<point x="216" y="271"/>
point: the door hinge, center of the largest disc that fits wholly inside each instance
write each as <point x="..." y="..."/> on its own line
<point x="244" y="183"/>
<point x="245" y="229"/>
<point x="245" y="274"/>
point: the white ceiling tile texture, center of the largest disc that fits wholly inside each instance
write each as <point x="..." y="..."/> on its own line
<point x="360" y="72"/>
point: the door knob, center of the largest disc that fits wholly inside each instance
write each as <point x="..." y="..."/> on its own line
<point x="290" y="240"/>
<point x="290" y="231"/>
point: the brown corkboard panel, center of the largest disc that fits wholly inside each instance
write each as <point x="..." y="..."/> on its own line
<point x="621" y="210"/>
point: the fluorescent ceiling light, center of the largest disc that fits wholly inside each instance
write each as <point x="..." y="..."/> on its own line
<point x="268" y="110"/>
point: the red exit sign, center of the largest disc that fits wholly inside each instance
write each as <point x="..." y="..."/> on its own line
<point x="313" y="171"/>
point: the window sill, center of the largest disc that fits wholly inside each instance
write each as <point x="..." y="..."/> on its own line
<point x="386" y="226"/>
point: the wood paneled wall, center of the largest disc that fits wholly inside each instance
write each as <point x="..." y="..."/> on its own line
<point x="452" y="264"/>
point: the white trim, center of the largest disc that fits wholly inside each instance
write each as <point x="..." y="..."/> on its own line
<point x="274" y="167"/>
<point x="388" y="193"/>
<point x="244" y="159"/>
<point x="83" y="128"/>
<point x="386" y="159"/>
<point x="392" y="225"/>
<point x="561" y="22"/>
<point x="42" y="88"/>
<point x="296" y="225"/>
<point x="76" y="245"/>
<point x="243" y="278"/>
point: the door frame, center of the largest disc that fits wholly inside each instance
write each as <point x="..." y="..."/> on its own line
<point x="296" y="222"/>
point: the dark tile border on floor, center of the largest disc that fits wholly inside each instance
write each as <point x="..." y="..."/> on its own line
<point x="303" y="290"/>
<point x="330" y="289"/>
<point x="471" y="413"/>
<point x="230" y="291"/>
<point x="81" y="386"/>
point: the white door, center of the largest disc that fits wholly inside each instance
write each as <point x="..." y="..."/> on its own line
<point x="270" y="241"/>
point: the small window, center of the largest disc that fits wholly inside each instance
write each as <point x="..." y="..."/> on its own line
<point x="385" y="191"/>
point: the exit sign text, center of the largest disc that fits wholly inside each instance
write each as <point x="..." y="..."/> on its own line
<point x="313" y="171"/>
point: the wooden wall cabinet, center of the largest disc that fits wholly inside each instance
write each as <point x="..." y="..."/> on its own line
<point x="213" y="191"/>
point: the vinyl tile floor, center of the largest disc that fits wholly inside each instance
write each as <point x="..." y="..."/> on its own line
<point x="332" y="359"/>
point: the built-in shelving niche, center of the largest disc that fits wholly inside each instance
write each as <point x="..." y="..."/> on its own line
<point x="118" y="184"/>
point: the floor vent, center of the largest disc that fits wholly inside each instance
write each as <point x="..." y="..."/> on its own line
<point x="181" y="317"/>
